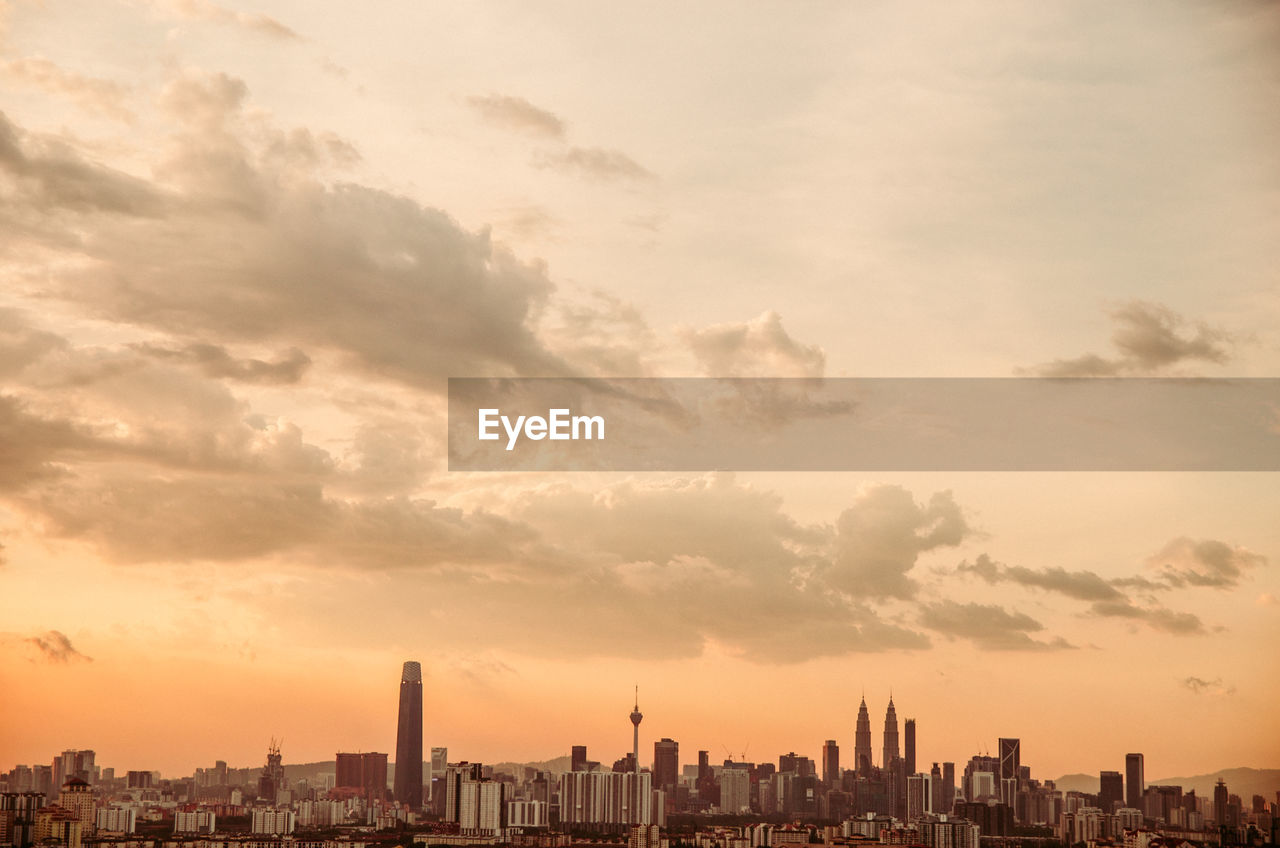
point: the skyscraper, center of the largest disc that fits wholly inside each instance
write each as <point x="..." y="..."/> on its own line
<point x="909" y="745"/>
<point x="1133" y="779"/>
<point x="578" y="758"/>
<point x="862" y="741"/>
<point x="830" y="762"/>
<point x="666" y="764"/>
<point x="408" y="783"/>
<point x="890" y="734"/>
<point x="1110" y="790"/>
<point x="1010" y="768"/>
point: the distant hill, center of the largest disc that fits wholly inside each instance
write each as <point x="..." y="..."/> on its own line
<point x="1245" y="782"/>
<point x="558" y="764"/>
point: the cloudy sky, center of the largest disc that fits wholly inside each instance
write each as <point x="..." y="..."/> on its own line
<point x="243" y="248"/>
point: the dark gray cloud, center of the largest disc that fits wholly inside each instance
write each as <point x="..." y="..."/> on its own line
<point x="1149" y="338"/>
<point x="518" y="114"/>
<point x="54" y="647"/>
<point x="988" y="626"/>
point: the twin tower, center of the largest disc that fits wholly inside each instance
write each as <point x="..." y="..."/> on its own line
<point x="862" y="740"/>
<point x="408" y="783"/>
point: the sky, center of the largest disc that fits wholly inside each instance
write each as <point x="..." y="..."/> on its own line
<point x="242" y="249"/>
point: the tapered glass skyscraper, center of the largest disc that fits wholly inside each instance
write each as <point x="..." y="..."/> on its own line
<point x="408" y="785"/>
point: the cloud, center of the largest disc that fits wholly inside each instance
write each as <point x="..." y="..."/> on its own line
<point x="204" y="10"/>
<point x="49" y="178"/>
<point x="1149" y="338"/>
<point x="879" y="538"/>
<point x="54" y="647"/>
<point x="988" y="626"/>
<point x="396" y="289"/>
<point x="596" y="163"/>
<point x="216" y="361"/>
<point x="1081" y="585"/>
<point x="1208" y="687"/>
<point x="102" y="96"/>
<point x="518" y="114"/>
<point x="760" y="347"/>
<point x="1203" y="562"/>
<point x="1156" y="617"/>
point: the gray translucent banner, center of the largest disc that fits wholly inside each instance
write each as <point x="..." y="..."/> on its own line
<point x="863" y="424"/>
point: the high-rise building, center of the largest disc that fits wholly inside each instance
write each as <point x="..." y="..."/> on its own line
<point x="116" y="820"/>
<point x="1010" y="768"/>
<point x="830" y="762"/>
<point x="77" y="796"/>
<point x="366" y="772"/>
<point x="1220" y="800"/>
<point x="1134" y="781"/>
<point x="890" y="734"/>
<point x="948" y="787"/>
<point x="272" y="780"/>
<point x="578" y="758"/>
<point x="862" y="741"/>
<point x="666" y="764"/>
<point x="408" y="782"/>
<point x="735" y="790"/>
<point x="909" y="745"/>
<point x="1110" y="791"/>
<point x="439" y="762"/>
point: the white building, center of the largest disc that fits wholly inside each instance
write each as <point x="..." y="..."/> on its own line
<point x="117" y="820"/>
<point x="735" y="791"/>
<point x="194" y="821"/>
<point x="274" y="822"/>
<point x="533" y="814"/>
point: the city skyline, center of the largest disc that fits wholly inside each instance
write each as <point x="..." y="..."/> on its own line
<point x="245" y="246"/>
<point x="1130" y="765"/>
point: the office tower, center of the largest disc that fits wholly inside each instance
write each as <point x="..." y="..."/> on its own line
<point x="439" y="762"/>
<point x="636" y="718"/>
<point x="948" y="787"/>
<point x="909" y="745"/>
<point x="935" y="790"/>
<point x="666" y="764"/>
<point x="890" y="734"/>
<point x="366" y="772"/>
<point x="1110" y="790"/>
<point x="1220" y="800"/>
<point x="408" y="782"/>
<point x="1134" y="781"/>
<point x="830" y="762"/>
<point x="73" y="763"/>
<point x="1010" y="768"/>
<point x="862" y="741"/>
<point x="578" y="758"/>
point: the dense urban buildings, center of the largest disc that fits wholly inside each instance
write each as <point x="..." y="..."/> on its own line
<point x="355" y="801"/>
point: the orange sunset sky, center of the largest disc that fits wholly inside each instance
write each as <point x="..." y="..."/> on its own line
<point x="242" y="248"/>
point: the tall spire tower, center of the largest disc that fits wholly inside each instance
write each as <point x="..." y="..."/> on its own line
<point x="890" y="734"/>
<point x="408" y="784"/>
<point x="862" y="740"/>
<point x="636" y="718"/>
